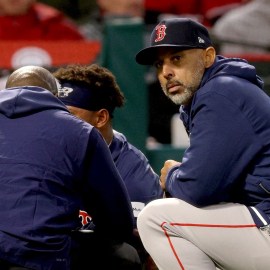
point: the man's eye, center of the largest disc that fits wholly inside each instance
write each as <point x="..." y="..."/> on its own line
<point x="176" y="58"/>
<point x="157" y="64"/>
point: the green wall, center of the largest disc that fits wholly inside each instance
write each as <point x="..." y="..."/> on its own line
<point x="123" y="38"/>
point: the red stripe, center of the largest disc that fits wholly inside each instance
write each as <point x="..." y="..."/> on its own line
<point x="199" y="225"/>
<point x="171" y="245"/>
<point x="213" y="225"/>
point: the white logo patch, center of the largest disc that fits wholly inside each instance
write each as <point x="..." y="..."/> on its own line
<point x="64" y="91"/>
<point x="201" y="40"/>
<point x="137" y="208"/>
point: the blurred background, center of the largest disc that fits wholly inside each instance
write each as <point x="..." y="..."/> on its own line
<point x="76" y="9"/>
<point x="113" y="31"/>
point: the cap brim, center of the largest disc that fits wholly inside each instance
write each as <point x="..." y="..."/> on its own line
<point x="148" y="55"/>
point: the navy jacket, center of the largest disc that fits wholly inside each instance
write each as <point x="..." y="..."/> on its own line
<point x="50" y="164"/>
<point x="141" y="181"/>
<point x="228" y="159"/>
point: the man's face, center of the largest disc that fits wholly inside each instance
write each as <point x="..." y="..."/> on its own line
<point x="14" y="7"/>
<point x="180" y="73"/>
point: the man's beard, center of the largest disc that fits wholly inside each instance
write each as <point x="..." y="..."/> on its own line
<point x="185" y="97"/>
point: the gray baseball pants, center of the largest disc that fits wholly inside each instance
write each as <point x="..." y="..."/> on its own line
<point x="180" y="236"/>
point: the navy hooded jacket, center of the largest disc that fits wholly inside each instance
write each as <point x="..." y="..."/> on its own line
<point x="228" y="159"/>
<point x="50" y="164"/>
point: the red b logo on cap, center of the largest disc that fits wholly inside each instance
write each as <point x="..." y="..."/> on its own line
<point x="160" y="32"/>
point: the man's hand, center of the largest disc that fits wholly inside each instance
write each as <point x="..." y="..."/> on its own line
<point x="168" y="164"/>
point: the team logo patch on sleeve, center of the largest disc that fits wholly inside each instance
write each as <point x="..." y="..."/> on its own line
<point x="85" y="218"/>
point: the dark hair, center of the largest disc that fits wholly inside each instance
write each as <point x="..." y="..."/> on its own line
<point x="99" y="80"/>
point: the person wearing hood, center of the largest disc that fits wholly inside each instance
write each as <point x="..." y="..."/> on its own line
<point x="51" y="163"/>
<point x="217" y="213"/>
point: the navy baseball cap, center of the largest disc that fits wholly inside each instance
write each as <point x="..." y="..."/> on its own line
<point x="182" y="33"/>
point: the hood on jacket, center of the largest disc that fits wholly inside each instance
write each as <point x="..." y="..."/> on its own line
<point x="19" y="101"/>
<point x="236" y="67"/>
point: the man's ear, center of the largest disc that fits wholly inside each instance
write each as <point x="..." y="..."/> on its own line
<point x="103" y="117"/>
<point x="210" y="55"/>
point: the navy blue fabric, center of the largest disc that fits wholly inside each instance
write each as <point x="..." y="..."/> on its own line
<point x="141" y="181"/>
<point x="229" y="127"/>
<point x="50" y="164"/>
<point x="81" y="96"/>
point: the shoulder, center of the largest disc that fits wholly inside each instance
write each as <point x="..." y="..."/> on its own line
<point x="128" y="149"/>
<point x="46" y="12"/>
<point x="121" y="138"/>
<point x="57" y="24"/>
<point x="75" y="126"/>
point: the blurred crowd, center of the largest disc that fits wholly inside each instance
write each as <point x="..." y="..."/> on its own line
<point x="237" y="27"/>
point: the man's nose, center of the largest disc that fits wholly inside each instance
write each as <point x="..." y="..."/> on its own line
<point x="167" y="71"/>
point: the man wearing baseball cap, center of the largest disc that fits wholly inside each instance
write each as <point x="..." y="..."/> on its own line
<point x="219" y="211"/>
